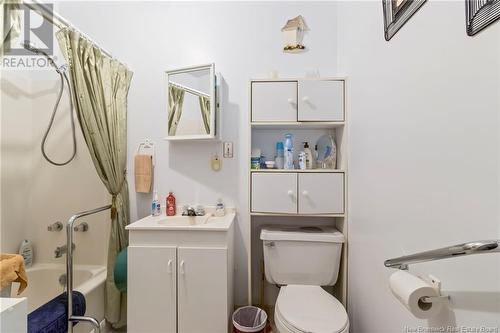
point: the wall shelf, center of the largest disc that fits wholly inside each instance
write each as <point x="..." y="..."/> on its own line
<point x="297" y="124"/>
<point x="298" y="215"/>
<point x="297" y="171"/>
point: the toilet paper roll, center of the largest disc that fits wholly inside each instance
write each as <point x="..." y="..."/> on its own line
<point x="409" y="289"/>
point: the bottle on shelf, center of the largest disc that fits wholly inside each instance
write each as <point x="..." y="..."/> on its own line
<point x="170" y="204"/>
<point x="308" y="156"/>
<point x="280" y="155"/>
<point x="289" y="152"/>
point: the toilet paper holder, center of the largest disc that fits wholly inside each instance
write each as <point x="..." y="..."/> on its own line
<point x="436" y="284"/>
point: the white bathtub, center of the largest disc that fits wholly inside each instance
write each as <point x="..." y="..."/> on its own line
<point x="43" y="285"/>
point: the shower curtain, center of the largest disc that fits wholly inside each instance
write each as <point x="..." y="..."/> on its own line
<point x="11" y="23"/>
<point x="100" y="87"/>
<point x="205" y="112"/>
<point x="175" y="101"/>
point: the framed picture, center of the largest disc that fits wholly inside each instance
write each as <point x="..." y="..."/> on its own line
<point x="481" y="14"/>
<point x="397" y="13"/>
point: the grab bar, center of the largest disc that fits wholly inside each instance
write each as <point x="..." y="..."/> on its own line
<point x="465" y="249"/>
<point x="69" y="270"/>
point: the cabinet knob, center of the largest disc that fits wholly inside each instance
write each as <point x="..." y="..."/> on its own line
<point x="290" y="193"/>
<point x="305" y="193"/>
<point x="169" y="267"/>
<point x="291" y="101"/>
<point x="181" y="266"/>
<point x="305" y="99"/>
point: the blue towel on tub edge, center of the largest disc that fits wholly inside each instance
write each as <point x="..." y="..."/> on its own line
<point x="52" y="317"/>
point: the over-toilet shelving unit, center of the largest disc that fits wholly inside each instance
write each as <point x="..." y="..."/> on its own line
<point x="308" y="108"/>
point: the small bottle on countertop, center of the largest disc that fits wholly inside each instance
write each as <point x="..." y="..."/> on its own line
<point x="170" y="204"/>
<point x="219" y="208"/>
<point x="155" y="205"/>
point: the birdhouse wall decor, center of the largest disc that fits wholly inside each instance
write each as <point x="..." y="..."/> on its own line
<point x="293" y="33"/>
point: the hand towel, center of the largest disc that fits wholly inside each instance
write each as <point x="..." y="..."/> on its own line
<point x="143" y="165"/>
<point x="12" y="270"/>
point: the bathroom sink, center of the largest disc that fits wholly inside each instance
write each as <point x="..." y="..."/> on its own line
<point x="184" y="220"/>
<point x="178" y="222"/>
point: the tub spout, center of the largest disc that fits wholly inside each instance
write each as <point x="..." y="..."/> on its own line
<point x="60" y="250"/>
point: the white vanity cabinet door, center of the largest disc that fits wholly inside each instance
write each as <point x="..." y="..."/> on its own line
<point x="321" y="193"/>
<point x="274" y="193"/>
<point x="321" y="100"/>
<point x="151" y="289"/>
<point x="202" y="290"/>
<point x="274" y="101"/>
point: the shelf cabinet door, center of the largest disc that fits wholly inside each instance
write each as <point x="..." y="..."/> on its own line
<point x="274" y="193"/>
<point x="321" y="100"/>
<point x="321" y="193"/>
<point x="151" y="291"/>
<point x="274" y="101"/>
<point x="203" y="290"/>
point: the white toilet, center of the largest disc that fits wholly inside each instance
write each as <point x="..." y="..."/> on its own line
<point x="301" y="260"/>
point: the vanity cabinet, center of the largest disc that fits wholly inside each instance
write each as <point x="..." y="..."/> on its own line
<point x="152" y="288"/>
<point x="180" y="277"/>
<point x="298" y="193"/>
<point x="202" y="290"/>
<point x="297" y="101"/>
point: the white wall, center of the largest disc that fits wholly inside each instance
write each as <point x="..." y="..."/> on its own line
<point x="244" y="40"/>
<point x="36" y="194"/>
<point x="424" y="159"/>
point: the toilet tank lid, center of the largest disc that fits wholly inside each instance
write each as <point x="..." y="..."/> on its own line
<point x="302" y="233"/>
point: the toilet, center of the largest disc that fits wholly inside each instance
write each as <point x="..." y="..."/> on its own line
<point x="301" y="260"/>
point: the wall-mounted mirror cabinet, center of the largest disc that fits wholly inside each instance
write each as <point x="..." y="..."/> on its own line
<point x="191" y="103"/>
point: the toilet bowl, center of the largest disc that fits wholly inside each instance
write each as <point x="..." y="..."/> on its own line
<point x="305" y="309"/>
<point x="301" y="260"/>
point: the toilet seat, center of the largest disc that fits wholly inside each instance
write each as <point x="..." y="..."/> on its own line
<point x="309" y="309"/>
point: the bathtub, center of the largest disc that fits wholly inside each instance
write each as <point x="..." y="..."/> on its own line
<point x="43" y="285"/>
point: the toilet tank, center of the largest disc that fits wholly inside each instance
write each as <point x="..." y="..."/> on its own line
<point x="302" y="255"/>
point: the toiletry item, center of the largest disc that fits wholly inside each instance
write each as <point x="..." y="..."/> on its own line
<point x="302" y="160"/>
<point x="170" y="204"/>
<point x="289" y="151"/>
<point x="255" y="158"/>
<point x="26" y="250"/>
<point x="327" y="152"/>
<point x="280" y="155"/>
<point x="309" y="156"/>
<point x="270" y="164"/>
<point x="155" y="205"/>
<point x="220" y="210"/>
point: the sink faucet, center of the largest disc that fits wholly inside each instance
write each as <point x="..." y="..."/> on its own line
<point x="190" y="211"/>
<point x="60" y="250"/>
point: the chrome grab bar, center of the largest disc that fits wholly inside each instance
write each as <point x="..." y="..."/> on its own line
<point x="476" y="247"/>
<point x="69" y="270"/>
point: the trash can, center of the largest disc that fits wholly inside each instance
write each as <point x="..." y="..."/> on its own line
<point x="249" y="319"/>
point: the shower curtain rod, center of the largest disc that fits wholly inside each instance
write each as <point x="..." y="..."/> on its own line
<point x="60" y="22"/>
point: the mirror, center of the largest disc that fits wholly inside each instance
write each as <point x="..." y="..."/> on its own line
<point x="191" y="103"/>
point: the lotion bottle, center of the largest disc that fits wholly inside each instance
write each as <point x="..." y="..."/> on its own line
<point x="309" y="156"/>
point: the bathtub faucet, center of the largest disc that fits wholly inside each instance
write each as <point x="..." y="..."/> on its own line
<point x="60" y="250"/>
